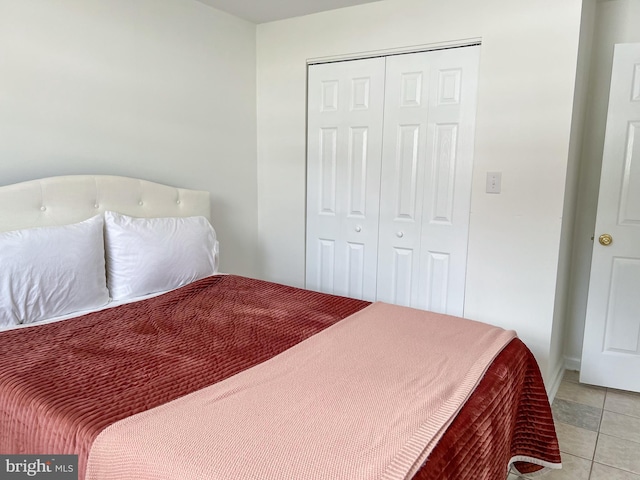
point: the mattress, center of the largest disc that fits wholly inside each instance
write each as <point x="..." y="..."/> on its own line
<point x="62" y="383"/>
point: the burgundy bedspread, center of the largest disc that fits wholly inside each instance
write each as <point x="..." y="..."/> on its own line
<point x="62" y="383"/>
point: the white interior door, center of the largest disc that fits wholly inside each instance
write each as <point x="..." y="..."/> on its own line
<point x="429" y="119"/>
<point x="611" y="347"/>
<point x="345" y="102"/>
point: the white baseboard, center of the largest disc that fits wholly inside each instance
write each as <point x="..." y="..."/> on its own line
<point x="572" y="363"/>
<point x="555" y="380"/>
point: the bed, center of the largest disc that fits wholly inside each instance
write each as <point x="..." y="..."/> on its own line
<point x="110" y="380"/>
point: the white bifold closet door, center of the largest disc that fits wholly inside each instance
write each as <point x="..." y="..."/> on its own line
<point x="390" y="158"/>
<point x="343" y="170"/>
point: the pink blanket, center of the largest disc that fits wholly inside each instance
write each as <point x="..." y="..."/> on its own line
<point x="314" y="410"/>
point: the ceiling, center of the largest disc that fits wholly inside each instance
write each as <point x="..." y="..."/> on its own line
<point x="261" y="11"/>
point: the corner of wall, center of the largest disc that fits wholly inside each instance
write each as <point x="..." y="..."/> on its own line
<point x="565" y="295"/>
<point x="572" y="363"/>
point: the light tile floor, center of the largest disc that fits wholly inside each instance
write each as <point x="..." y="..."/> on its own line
<point x="598" y="431"/>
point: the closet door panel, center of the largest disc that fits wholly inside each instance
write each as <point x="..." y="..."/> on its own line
<point x="449" y="169"/>
<point x="343" y="176"/>
<point x="427" y="166"/>
<point x="403" y="176"/>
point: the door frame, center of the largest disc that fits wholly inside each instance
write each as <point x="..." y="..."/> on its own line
<point x="387" y="52"/>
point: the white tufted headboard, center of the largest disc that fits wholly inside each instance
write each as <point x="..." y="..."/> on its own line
<point x="70" y="199"/>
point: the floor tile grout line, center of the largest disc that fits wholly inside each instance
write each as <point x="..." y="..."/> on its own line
<point x="604" y="401"/>
<point x="609" y="434"/>
<point x="628" y="472"/>
<point x="601" y="407"/>
<point x="623" y="414"/>
<point x="619" y="438"/>
<point x="593" y="459"/>
<point x="596" y="429"/>
<point x="599" y="431"/>
<point x="595" y="448"/>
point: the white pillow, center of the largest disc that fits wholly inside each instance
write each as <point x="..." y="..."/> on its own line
<point x="51" y="271"/>
<point x="147" y="255"/>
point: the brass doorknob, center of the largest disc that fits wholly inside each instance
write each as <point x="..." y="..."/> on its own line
<point x="605" y="239"/>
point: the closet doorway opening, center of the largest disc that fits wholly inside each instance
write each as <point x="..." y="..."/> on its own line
<point x="389" y="168"/>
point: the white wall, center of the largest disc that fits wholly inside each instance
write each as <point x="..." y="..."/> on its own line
<point x="617" y="21"/>
<point x="526" y="87"/>
<point x="159" y="89"/>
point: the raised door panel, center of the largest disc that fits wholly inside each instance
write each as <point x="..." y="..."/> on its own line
<point x="326" y="261"/>
<point x="328" y="156"/>
<point x="343" y="175"/>
<point x="630" y="195"/>
<point x="622" y="322"/>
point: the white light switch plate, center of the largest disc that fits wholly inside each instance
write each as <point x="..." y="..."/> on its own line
<point x="494" y="182"/>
